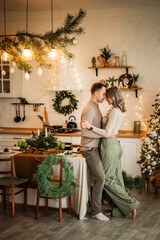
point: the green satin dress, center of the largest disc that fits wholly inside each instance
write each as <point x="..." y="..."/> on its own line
<point x="111" y="152"/>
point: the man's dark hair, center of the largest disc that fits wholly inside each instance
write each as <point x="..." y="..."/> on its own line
<point x="96" y="86"/>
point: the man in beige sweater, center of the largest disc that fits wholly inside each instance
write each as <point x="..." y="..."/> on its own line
<point x="90" y="147"/>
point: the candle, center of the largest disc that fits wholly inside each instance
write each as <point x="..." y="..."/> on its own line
<point x="38" y="132"/>
<point x="46" y="132"/>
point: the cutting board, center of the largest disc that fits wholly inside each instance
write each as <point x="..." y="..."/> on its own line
<point x="46" y="116"/>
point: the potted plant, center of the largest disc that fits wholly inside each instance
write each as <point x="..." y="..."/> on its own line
<point x="135" y="79"/>
<point x="106" y="54"/>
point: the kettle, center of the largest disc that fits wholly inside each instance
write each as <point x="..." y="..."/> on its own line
<point x="71" y="123"/>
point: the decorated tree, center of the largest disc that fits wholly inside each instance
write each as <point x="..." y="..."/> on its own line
<point x="150" y="151"/>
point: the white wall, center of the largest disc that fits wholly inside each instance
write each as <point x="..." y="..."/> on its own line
<point x="134" y="30"/>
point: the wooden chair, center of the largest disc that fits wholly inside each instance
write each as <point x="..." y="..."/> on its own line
<point x="41" y="195"/>
<point x="10" y="182"/>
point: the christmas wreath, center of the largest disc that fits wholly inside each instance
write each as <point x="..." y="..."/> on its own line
<point x="44" y="180"/>
<point x="67" y="109"/>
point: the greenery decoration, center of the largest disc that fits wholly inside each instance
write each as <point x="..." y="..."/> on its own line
<point x="67" y="109"/>
<point x="131" y="183"/>
<point x="41" y="44"/>
<point x="135" y="77"/>
<point x="42" y="141"/>
<point x="45" y="181"/>
<point x="150" y="151"/>
<point x="23" y="100"/>
<point x="105" y="53"/>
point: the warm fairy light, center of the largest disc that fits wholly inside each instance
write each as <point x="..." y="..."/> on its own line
<point x="27" y="55"/>
<point x="5" y="57"/>
<point x="52" y="54"/>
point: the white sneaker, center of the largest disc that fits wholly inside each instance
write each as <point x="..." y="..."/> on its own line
<point x="100" y="217"/>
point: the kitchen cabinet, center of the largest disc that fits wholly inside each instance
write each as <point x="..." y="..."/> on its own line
<point x="131" y="149"/>
<point x="10" y="140"/>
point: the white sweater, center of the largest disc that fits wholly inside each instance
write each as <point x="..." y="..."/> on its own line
<point x="112" y="121"/>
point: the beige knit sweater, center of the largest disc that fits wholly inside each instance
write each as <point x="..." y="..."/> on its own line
<point x="92" y="114"/>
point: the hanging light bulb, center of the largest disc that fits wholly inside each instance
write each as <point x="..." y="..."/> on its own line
<point x="5" y="57"/>
<point x="39" y="71"/>
<point x="27" y="55"/>
<point x="27" y="76"/>
<point x="52" y="53"/>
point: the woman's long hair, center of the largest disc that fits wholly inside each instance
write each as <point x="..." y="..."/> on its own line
<point x="115" y="94"/>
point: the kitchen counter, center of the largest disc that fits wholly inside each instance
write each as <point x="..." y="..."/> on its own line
<point x="28" y="131"/>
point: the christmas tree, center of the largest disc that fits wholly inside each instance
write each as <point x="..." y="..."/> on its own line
<point x="150" y="151"/>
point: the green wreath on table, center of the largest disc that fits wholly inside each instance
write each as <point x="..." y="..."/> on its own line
<point x="44" y="180"/>
<point x="67" y="109"/>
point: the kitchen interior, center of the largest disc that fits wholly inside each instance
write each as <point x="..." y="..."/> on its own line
<point x="26" y="99"/>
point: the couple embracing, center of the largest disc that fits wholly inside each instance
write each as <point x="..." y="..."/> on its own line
<point x="102" y="150"/>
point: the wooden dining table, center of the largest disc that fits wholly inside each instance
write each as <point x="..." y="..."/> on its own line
<point x="24" y="164"/>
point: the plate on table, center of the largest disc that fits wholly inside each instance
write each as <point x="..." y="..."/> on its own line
<point x="10" y="152"/>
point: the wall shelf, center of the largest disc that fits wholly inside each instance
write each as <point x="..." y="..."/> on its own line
<point x="96" y="68"/>
<point x="130" y="89"/>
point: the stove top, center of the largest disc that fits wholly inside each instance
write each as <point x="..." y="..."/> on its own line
<point x="64" y="130"/>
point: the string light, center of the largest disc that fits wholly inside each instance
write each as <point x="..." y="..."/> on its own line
<point x="52" y="54"/>
<point x="5" y="57"/>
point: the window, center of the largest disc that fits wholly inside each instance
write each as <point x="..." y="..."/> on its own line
<point x="5" y="83"/>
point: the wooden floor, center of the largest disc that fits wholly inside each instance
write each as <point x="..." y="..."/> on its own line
<point x="146" y="226"/>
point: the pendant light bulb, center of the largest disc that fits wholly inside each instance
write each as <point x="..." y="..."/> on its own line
<point x="27" y="55"/>
<point x="52" y="54"/>
<point x="27" y="76"/>
<point x="5" y="57"/>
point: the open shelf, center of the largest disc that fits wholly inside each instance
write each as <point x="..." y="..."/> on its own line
<point x="96" y="68"/>
<point x="134" y="89"/>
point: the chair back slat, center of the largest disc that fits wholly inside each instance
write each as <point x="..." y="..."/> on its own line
<point x="5" y="172"/>
<point x="9" y="171"/>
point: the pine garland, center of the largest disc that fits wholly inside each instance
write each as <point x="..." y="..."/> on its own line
<point x="131" y="183"/>
<point x="67" y="109"/>
<point x="45" y="183"/>
<point x="41" y="44"/>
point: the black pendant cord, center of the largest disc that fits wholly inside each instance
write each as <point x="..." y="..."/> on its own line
<point x="4" y="18"/>
<point x="27" y="17"/>
<point x="52" y="15"/>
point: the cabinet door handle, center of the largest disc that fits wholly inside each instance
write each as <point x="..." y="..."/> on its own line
<point x="16" y="138"/>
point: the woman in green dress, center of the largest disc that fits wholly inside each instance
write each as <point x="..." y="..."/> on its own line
<point x="111" y="152"/>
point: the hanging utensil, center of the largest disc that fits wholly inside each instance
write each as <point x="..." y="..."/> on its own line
<point x="19" y="117"/>
<point x="23" y="113"/>
<point x="16" y="119"/>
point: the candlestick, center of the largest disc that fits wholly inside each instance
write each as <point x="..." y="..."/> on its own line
<point x="46" y="132"/>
